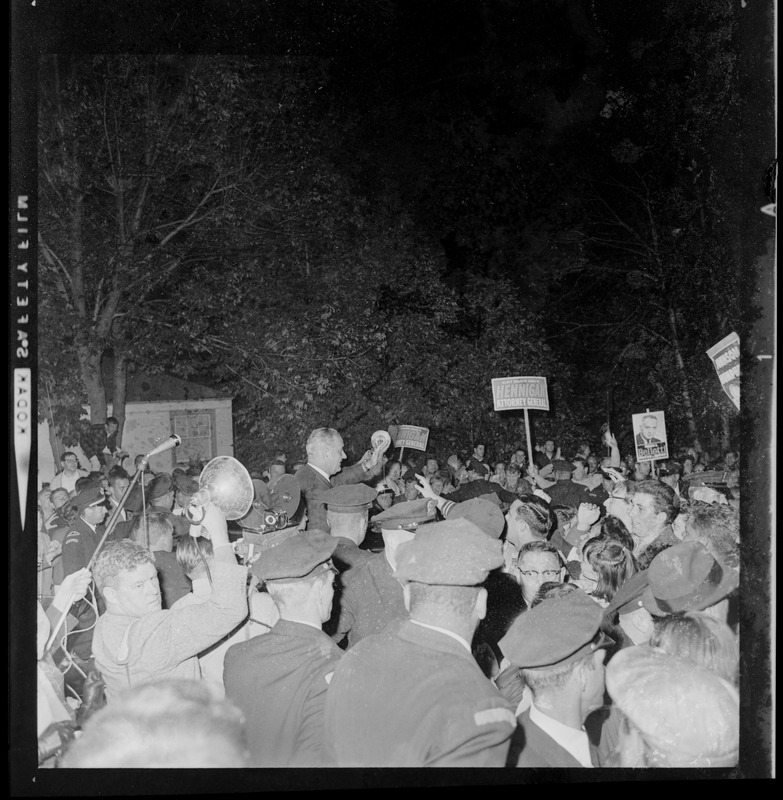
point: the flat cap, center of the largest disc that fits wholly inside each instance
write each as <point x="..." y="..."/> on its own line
<point x="349" y="497"/>
<point x="561" y="465"/>
<point x="186" y="484"/>
<point x="483" y="513"/>
<point x="687" y="577"/>
<point x="451" y="553"/>
<point x="687" y="714"/>
<point x="159" y="485"/>
<point x="408" y="515"/>
<point x="91" y="496"/>
<point x="295" y="556"/>
<point x="556" y="631"/>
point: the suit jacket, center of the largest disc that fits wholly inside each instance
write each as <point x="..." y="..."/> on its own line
<point x="348" y="555"/>
<point x="414" y="697"/>
<point x="279" y="681"/>
<point x="641" y="441"/>
<point x="312" y="485"/>
<point x="370" y="598"/>
<point x="174" y="583"/>
<point x="533" y="747"/>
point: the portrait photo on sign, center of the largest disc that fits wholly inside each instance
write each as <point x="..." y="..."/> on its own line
<point x="649" y="432"/>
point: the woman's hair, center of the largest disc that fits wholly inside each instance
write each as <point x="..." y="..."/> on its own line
<point x="614" y="528"/>
<point x="612" y="562"/>
<point x="698" y="638"/>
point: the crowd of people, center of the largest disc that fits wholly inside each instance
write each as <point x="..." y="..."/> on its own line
<point x="417" y="609"/>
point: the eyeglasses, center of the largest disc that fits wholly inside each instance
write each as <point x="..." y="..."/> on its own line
<point x="547" y="574"/>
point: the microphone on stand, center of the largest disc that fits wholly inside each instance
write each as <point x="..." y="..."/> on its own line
<point x="172" y="441"/>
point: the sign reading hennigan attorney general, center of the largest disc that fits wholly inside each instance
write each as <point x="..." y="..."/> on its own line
<point x="520" y="392"/>
<point x="412" y="436"/>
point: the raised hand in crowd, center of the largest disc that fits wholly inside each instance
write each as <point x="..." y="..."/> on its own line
<point x="587" y="515"/>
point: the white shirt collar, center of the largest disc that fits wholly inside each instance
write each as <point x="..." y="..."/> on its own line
<point x="319" y="471"/>
<point x="445" y="631"/>
<point x="570" y="739"/>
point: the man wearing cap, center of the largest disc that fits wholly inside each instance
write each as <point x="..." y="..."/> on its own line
<point x="325" y="454"/>
<point x="80" y="542"/>
<point x="347" y="510"/>
<point x="559" y="646"/>
<point x="652" y="508"/>
<point x="413" y="695"/>
<point x="674" y="716"/>
<point x="136" y="641"/>
<point x="371" y="596"/>
<point x="82" y="537"/>
<point x="280" y="680"/>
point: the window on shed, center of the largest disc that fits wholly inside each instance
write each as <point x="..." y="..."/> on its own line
<point x="197" y="431"/>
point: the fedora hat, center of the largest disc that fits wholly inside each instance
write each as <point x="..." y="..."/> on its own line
<point x="686" y="577"/>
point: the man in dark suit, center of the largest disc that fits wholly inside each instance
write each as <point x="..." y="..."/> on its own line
<point x="280" y="680"/>
<point x="560" y="648"/>
<point x="347" y="510"/>
<point x="413" y="695"/>
<point x="322" y="472"/>
<point x="370" y="595"/>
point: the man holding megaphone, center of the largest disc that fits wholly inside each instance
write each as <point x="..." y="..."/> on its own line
<point x="136" y="641"/>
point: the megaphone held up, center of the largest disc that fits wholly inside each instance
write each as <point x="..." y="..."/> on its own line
<point x="227" y="484"/>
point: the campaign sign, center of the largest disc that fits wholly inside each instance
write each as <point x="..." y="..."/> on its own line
<point x="520" y="392"/>
<point x="649" y="431"/>
<point x="412" y="436"/>
<point x="725" y="356"/>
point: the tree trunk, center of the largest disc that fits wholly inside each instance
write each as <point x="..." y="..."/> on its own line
<point x="686" y="395"/>
<point x="120" y="393"/>
<point x="90" y="363"/>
